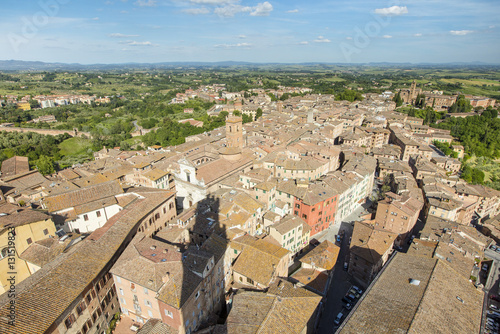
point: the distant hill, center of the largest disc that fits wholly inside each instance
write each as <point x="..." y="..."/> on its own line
<point x="20" y="65"/>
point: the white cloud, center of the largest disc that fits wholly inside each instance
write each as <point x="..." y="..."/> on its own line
<point x="213" y="2"/>
<point x="146" y="3"/>
<point x="321" y="39"/>
<point x="262" y="9"/>
<point x="387" y="36"/>
<point x="197" y="11"/>
<point x="461" y="32"/>
<point x="417" y="35"/>
<point x="238" y="45"/>
<point x="118" y="35"/>
<point x="304" y="43"/>
<point x="242" y="36"/>
<point x="135" y="43"/>
<point x="491" y="27"/>
<point x="95" y="19"/>
<point x="392" y="11"/>
<point x="292" y="11"/>
<point x="348" y="38"/>
<point x="231" y="10"/>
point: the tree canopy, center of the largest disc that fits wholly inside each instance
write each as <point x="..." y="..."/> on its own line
<point x="349" y="95"/>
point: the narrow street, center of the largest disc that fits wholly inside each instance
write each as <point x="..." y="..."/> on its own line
<point x="340" y="280"/>
<point x="491" y="287"/>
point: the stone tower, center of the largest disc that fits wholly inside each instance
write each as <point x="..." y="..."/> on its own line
<point x="234" y="132"/>
<point x="279" y="106"/>
<point x="413" y="91"/>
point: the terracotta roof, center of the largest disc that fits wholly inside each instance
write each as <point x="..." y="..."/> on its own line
<point x="25" y="180"/>
<point x="68" y="174"/>
<point x="15" y="165"/>
<point x="438" y="301"/>
<point x="288" y="223"/>
<point x="259" y="261"/>
<point x="82" y="196"/>
<point x="39" y="301"/>
<point x="156" y="326"/>
<point x="283" y="309"/>
<point x="220" y="168"/>
<point x="22" y="217"/>
<point x="90" y="180"/>
<point x="95" y="205"/>
<point x="155" y="174"/>
<point x="137" y="264"/>
<point x="323" y="256"/>
<point x="369" y="242"/>
<point x="43" y="251"/>
<point x="313" y="279"/>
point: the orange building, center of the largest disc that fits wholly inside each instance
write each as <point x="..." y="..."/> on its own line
<point x="317" y="207"/>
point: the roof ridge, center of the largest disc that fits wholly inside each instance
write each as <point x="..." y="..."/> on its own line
<point x="268" y="315"/>
<point x="423" y="293"/>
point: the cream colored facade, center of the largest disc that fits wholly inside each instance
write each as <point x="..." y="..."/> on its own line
<point x="14" y="241"/>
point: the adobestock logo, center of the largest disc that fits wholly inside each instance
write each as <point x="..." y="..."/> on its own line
<point x="362" y="37"/>
<point x="31" y="26"/>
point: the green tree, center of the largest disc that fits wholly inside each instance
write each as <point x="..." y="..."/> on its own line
<point x="246" y="118"/>
<point x="258" y="114"/>
<point x="284" y="97"/>
<point x="397" y="98"/>
<point x="45" y="165"/>
<point x="420" y="101"/>
<point x="272" y="96"/>
<point x="411" y="112"/>
<point x="460" y="105"/>
<point x="124" y="146"/>
<point x="349" y="95"/>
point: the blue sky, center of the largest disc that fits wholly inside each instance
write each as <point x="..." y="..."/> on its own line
<point x="118" y="31"/>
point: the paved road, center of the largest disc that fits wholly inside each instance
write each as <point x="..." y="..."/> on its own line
<point x="492" y="284"/>
<point x="340" y="280"/>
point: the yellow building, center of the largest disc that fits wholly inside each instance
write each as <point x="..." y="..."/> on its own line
<point x="19" y="228"/>
<point x="24" y="106"/>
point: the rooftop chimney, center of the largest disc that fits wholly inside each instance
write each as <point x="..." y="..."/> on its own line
<point x="166" y="278"/>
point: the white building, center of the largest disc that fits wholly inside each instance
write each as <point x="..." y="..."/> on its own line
<point x="86" y="209"/>
<point x="47" y="104"/>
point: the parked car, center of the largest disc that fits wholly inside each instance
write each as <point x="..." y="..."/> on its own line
<point x="493" y="307"/>
<point x="338" y="318"/>
<point x="339" y="238"/>
<point x="351" y="296"/>
<point x="346" y="301"/>
<point x="357" y="289"/>
<point x="485" y="267"/>
<point x="346" y="266"/>
<point x="354" y="293"/>
<point x="493" y="247"/>
<point x="348" y="306"/>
